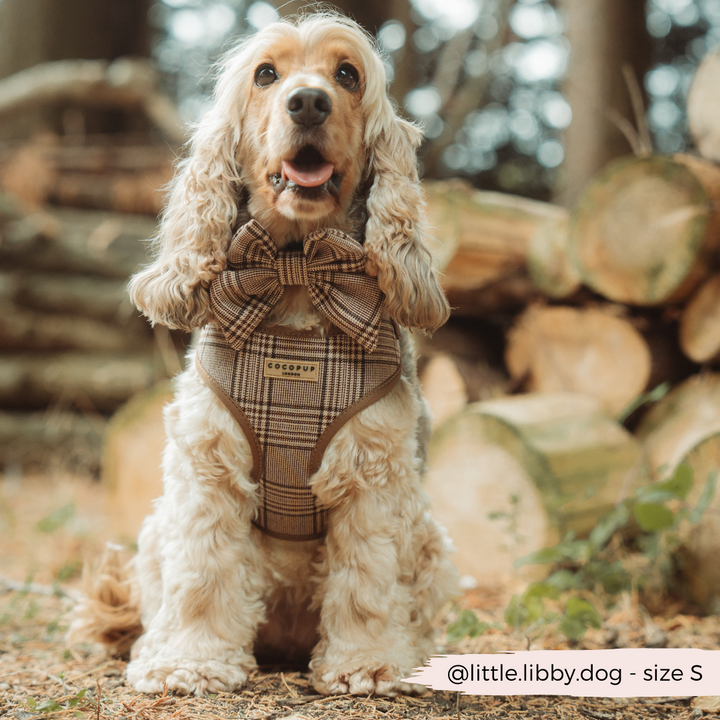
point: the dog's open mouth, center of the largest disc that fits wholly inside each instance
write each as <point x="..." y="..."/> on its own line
<point x="308" y="173"/>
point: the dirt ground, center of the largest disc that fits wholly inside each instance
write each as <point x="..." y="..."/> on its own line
<point x="49" y="525"/>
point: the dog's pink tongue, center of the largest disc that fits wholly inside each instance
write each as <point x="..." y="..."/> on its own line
<point x="307" y="177"/>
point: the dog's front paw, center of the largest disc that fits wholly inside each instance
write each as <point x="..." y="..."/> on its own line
<point x="383" y="680"/>
<point x="187" y="677"/>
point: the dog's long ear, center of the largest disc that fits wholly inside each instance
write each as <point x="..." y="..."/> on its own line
<point x="394" y="236"/>
<point x="202" y="208"/>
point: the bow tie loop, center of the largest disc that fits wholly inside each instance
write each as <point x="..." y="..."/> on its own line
<point x="331" y="266"/>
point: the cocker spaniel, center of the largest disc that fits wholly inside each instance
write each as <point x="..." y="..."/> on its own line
<point x="293" y="523"/>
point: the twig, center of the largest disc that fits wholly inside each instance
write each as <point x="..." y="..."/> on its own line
<point x="627" y="129"/>
<point x="97" y="699"/>
<point x="638" y="106"/>
<point x="36" y="588"/>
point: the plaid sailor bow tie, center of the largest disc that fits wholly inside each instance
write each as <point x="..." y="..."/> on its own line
<point x="331" y="265"/>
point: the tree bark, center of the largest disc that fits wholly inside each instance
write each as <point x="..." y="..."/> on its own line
<point x="604" y="35"/>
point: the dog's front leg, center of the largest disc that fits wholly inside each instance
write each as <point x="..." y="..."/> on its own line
<point x="200" y="570"/>
<point x="371" y="630"/>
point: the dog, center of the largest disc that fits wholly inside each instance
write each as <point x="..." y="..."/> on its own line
<point x="302" y="138"/>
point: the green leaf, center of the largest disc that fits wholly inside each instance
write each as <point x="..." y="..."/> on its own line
<point x="608" y="525"/>
<point x="612" y="576"/>
<point x="56" y="519"/>
<point x="48" y="706"/>
<point x="466" y="625"/>
<point x="579" y="615"/>
<point x="653" y="517"/>
<point x="703" y="503"/>
<point x="31" y="702"/>
<point x="564" y="580"/>
<point x="657" y="393"/>
<point x="540" y="590"/>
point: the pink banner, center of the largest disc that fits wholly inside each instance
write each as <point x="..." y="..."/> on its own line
<point x="630" y="672"/>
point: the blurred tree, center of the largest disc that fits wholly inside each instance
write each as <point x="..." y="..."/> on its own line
<point x="39" y="31"/>
<point x="36" y="31"/>
<point x="604" y="35"/>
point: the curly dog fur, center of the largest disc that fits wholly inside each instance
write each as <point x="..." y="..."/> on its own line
<point x="213" y="591"/>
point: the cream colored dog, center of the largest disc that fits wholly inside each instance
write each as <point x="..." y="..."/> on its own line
<point x="302" y="136"/>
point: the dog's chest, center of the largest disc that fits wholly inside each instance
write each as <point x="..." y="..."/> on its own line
<point x="291" y="391"/>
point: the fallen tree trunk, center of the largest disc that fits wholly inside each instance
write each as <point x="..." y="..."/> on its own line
<point x="645" y="230"/>
<point x="69" y="440"/>
<point x="485" y="238"/>
<point x="549" y="261"/>
<point x="590" y="351"/>
<point x="24" y="330"/>
<point x="102" y="244"/>
<point x="93" y="382"/>
<point x="512" y="475"/>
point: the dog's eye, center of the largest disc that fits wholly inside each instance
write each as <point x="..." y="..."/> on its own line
<point x="265" y="75"/>
<point x="347" y="76"/>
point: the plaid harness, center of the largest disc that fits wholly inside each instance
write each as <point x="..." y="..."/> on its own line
<point x="291" y="392"/>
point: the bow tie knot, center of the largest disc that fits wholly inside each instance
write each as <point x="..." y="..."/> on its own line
<point x="292" y="268"/>
<point x="331" y="266"/>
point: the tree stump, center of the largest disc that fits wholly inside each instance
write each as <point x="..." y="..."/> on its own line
<point x="684" y="427"/>
<point x="510" y="476"/>
<point x="589" y="351"/>
<point x="646" y="227"/>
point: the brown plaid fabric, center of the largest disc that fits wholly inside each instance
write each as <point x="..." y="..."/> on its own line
<point x="331" y="265"/>
<point x="290" y="421"/>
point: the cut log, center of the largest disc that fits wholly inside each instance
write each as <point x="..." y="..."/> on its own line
<point x="700" y="324"/>
<point x="589" y="351"/>
<point x="119" y="179"/>
<point x="29" y="331"/>
<point x="132" y="455"/>
<point x="444" y="387"/>
<point x="97" y="298"/>
<point x="549" y="261"/>
<point x="142" y="193"/>
<point x="646" y="228"/>
<point x="92" y="382"/>
<point x="703" y="107"/>
<point x="684" y="427"/>
<point x="489" y="233"/>
<point x="58" y="439"/>
<point x="510" y="476"/>
<point x="85" y="242"/>
<point x="129" y="83"/>
<point x="462" y="362"/>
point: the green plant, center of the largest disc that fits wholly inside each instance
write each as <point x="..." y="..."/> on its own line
<point x="598" y="564"/>
<point x="583" y="568"/>
<point x="82" y="701"/>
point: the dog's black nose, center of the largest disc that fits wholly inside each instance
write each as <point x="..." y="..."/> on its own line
<point x="308" y="106"/>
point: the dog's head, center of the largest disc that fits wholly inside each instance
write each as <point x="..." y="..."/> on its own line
<point x="301" y="128"/>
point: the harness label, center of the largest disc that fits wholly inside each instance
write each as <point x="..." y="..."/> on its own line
<point x="290" y="370"/>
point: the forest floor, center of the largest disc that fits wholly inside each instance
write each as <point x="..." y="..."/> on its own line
<point x="49" y="526"/>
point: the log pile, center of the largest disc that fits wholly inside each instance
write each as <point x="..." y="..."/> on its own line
<point x="72" y="347"/>
<point x="610" y="299"/>
<point x="75" y="212"/>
